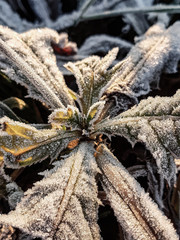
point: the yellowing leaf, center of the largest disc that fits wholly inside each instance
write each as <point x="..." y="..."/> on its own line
<point x="23" y="144"/>
<point x="73" y="94"/>
<point x="16" y="130"/>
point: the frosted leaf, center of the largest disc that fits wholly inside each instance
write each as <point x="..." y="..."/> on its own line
<point x="156" y="122"/>
<point x="15" y="194"/>
<point x="69" y="117"/>
<point x="137" y="20"/>
<point x="103" y="43"/>
<point x="156" y="184"/>
<point x="9" y="190"/>
<point x="91" y="75"/>
<point x="64" y="204"/>
<point x="134" y="209"/>
<point x="23" y="144"/>
<point x="137" y="171"/>
<point x="95" y="112"/>
<point x="10" y="18"/>
<point x="157" y="51"/>
<point x="28" y="60"/>
<point x="40" y="42"/>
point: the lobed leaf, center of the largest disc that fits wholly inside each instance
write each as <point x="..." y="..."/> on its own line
<point x="28" y="59"/>
<point x="23" y="144"/>
<point x="134" y="209"/>
<point x="156" y="122"/>
<point x="64" y="204"/>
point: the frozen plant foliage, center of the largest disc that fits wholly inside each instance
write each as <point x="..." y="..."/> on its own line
<point x="155" y="121"/>
<point x="123" y="190"/>
<point x="10" y="18"/>
<point x="64" y="204"/>
<point x="138" y="20"/>
<point x="45" y="17"/>
<point x="9" y="190"/>
<point x="34" y="64"/>
<point x="71" y="185"/>
<point x="103" y="43"/>
<point x="158" y="50"/>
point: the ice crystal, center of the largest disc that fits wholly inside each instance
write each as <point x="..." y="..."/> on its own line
<point x="155" y="122"/>
<point x="64" y="204"/>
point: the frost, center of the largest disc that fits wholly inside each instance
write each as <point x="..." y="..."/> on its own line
<point x="155" y="122"/>
<point x="133" y="208"/>
<point x="138" y="20"/>
<point x="9" y="190"/>
<point x="28" y="59"/>
<point x="103" y="43"/>
<point x="23" y="144"/>
<point x="92" y="75"/>
<point x="11" y="19"/>
<point x="14" y="194"/>
<point x="64" y="204"/>
<point x="157" y="51"/>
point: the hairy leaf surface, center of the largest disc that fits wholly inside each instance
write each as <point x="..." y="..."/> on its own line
<point x="23" y="144"/>
<point x="137" y="213"/>
<point x="156" y="122"/>
<point x="28" y="59"/>
<point x="64" y="204"/>
<point x="158" y="50"/>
